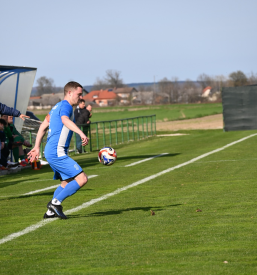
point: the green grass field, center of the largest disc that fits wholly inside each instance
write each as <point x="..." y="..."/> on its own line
<point x="118" y="234"/>
<point x="163" y="112"/>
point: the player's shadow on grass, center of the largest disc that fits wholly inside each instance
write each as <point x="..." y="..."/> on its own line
<point x="120" y="211"/>
<point x="146" y="156"/>
<point x="5" y="184"/>
<point x="48" y="193"/>
<point x="94" y="161"/>
<point x="85" y="163"/>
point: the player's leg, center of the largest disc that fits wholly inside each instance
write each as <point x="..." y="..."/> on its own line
<point x="73" y="174"/>
<point x="49" y="213"/>
<point x="72" y="187"/>
<point x="61" y="187"/>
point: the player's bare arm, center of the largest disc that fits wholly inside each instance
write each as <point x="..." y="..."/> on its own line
<point x="73" y="127"/>
<point x="34" y="153"/>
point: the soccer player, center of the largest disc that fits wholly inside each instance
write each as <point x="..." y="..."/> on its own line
<point x="61" y="125"/>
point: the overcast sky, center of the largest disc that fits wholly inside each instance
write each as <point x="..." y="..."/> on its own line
<point x="145" y="40"/>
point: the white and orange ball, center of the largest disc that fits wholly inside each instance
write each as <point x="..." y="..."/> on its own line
<point x="107" y="156"/>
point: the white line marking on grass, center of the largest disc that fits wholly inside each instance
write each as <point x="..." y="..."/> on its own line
<point x="135" y="163"/>
<point x="40" y="190"/>
<point x="225" y="160"/>
<point x="26" y="230"/>
<point x="119" y="190"/>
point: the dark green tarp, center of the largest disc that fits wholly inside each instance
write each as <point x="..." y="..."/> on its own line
<point x="239" y="108"/>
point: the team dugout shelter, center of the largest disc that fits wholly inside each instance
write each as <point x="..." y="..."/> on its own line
<point x="239" y="108"/>
<point x="15" y="88"/>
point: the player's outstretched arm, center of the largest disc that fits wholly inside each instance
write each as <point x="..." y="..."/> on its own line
<point x="34" y="153"/>
<point x="73" y="127"/>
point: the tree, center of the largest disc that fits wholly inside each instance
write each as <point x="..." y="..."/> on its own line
<point x="170" y="87"/>
<point x="111" y="80"/>
<point x="205" y="80"/>
<point x="164" y="85"/>
<point x="238" y="79"/>
<point x="221" y="82"/>
<point x="252" y="79"/>
<point x="190" y="93"/>
<point x="99" y="85"/>
<point x="45" y="85"/>
<point x="216" y="83"/>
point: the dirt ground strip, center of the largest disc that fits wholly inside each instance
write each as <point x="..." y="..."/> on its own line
<point x="208" y="122"/>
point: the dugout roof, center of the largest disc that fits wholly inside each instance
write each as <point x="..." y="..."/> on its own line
<point x="15" y="88"/>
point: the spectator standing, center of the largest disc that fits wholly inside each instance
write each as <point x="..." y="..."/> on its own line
<point x="80" y="108"/>
<point x="83" y="120"/>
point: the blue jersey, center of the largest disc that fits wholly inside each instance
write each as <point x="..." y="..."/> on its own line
<point x="59" y="136"/>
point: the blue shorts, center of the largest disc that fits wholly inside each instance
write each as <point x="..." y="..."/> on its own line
<point x="64" y="167"/>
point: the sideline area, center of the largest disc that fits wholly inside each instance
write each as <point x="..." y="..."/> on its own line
<point x="119" y="190"/>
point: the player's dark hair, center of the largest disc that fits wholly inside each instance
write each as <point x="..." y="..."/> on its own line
<point x="71" y="85"/>
<point x="2" y="121"/>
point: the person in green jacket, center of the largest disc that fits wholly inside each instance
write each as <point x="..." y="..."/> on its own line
<point x="19" y="140"/>
<point x="14" y="141"/>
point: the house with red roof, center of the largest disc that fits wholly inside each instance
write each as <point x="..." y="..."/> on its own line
<point x="206" y="91"/>
<point x="126" y="94"/>
<point x="101" y="97"/>
<point x="208" y="94"/>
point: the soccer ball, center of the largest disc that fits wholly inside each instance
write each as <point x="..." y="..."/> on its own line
<point x="107" y="156"/>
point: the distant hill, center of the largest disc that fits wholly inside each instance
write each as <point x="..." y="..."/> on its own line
<point x="149" y="85"/>
<point x="89" y="87"/>
<point x="134" y="85"/>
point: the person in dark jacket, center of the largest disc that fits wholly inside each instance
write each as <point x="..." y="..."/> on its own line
<point x="77" y="113"/>
<point x="83" y="120"/>
<point x="5" y="110"/>
<point x="85" y="115"/>
<point x="79" y="109"/>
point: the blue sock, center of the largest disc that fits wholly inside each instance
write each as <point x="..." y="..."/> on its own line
<point x="71" y="188"/>
<point x="57" y="191"/>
